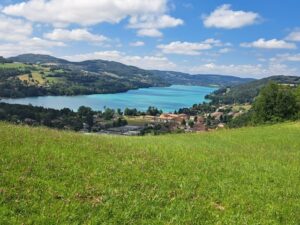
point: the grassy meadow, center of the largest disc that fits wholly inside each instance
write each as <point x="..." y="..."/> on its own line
<point x="242" y="176"/>
<point x="39" y="74"/>
<point x="12" y="66"/>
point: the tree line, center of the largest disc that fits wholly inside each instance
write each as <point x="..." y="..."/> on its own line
<point x="275" y="103"/>
<point x="84" y="118"/>
<point x="65" y="118"/>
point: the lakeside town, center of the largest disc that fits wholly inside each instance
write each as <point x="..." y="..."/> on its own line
<point x="199" y="118"/>
<point x="161" y="123"/>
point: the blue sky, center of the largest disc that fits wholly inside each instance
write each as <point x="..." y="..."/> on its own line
<point x="254" y="38"/>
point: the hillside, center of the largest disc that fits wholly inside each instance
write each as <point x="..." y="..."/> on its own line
<point x="201" y="79"/>
<point x="39" y="75"/>
<point x="247" y="92"/>
<point x="36" y="59"/>
<point x="243" y="176"/>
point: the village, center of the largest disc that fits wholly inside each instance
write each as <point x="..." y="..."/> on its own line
<point x="130" y="122"/>
<point x="177" y="122"/>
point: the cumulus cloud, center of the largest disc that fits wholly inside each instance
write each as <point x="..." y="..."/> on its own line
<point x="184" y="48"/>
<point x="293" y="36"/>
<point x="83" y="12"/>
<point x="225" y="50"/>
<point x="145" y="62"/>
<point x="225" y="17"/>
<point x="244" y="70"/>
<point x="149" y="33"/>
<point x="137" y="44"/>
<point x="14" y="29"/>
<point x="150" y="25"/>
<point x="188" y="48"/>
<point x="287" y="57"/>
<point x="30" y="45"/>
<point x="146" y="16"/>
<point x="270" y="44"/>
<point x="74" y="35"/>
<point x="293" y="58"/>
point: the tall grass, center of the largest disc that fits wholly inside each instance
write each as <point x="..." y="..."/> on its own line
<point x="243" y="176"/>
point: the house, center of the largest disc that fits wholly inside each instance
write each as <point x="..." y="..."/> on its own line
<point x="217" y="115"/>
<point x="173" y="118"/>
<point x="48" y="64"/>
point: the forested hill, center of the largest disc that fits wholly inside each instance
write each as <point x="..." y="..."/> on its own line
<point x="38" y="75"/>
<point x="169" y="77"/>
<point x="3" y="60"/>
<point x="37" y="59"/>
<point x="201" y="79"/>
<point x="247" y="92"/>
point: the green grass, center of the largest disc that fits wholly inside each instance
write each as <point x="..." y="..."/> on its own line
<point x="137" y="120"/>
<point x="36" y="77"/>
<point x="56" y="79"/>
<point x="244" y="176"/>
<point x="12" y="65"/>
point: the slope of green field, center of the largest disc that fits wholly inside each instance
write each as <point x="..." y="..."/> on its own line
<point x="244" y="176"/>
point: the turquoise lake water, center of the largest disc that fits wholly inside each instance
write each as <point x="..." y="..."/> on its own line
<point x="167" y="99"/>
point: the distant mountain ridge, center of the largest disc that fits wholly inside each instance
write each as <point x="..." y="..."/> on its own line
<point x="169" y="77"/>
<point x="201" y="79"/>
<point x="39" y="75"/>
<point x="37" y="59"/>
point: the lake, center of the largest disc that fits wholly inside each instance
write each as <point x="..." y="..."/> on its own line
<point x="167" y="99"/>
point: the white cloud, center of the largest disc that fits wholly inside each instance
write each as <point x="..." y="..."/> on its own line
<point x="83" y="12"/>
<point x="189" y="48"/>
<point x="14" y="29"/>
<point x="225" y="17"/>
<point x="245" y="70"/>
<point x="286" y="58"/>
<point x="146" y="16"/>
<point x="270" y="44"/>
<point x="225" y="50"/>
<point x="149" y="33"/>
<point x="137" y="44"/>
<point x="74" y="35"/>
<point x="145" y="62"/>
<point x="42" y="43"/>
<point x="150" y="25"/>
<point x="293" y="58"/>
<point x="293" y="36"/>
<point x="30" y="45"/>
<point x="157" y="22"/>
<point x="104" y="55"/>
<point x="184" y="48"/>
